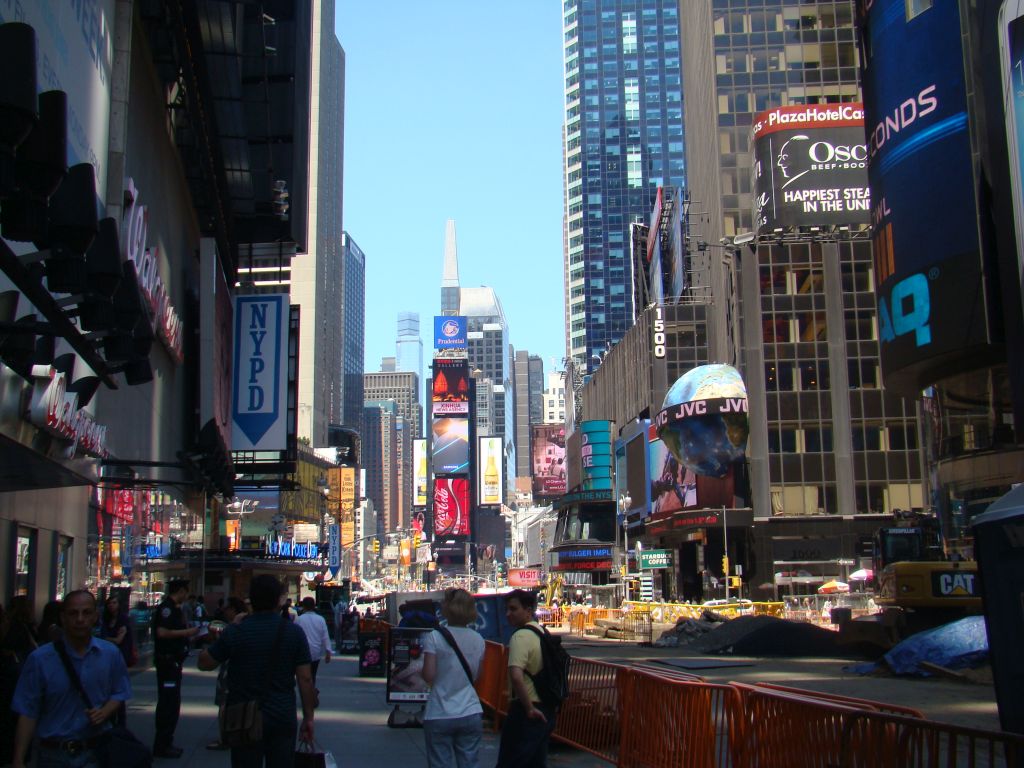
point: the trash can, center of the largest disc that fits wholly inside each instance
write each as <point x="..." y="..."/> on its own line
<point x="999" y="548"/>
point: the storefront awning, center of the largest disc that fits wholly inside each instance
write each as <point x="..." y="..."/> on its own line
<point x="25" y="469"/>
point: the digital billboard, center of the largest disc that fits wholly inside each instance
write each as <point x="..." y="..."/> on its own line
<point x="596" y="451"/>
<point x="449" y="394"/>
<point x="449" y="332"/>
<point x="451" y="506"/>
<point x="548" y="460"/>
<point x="810" y="167"/>
<point x="489" y="477"/>
<point x="673" y="487"/>
<point x="449" y="451"/>
<point x="422" y="473"/>
<point x="930" y="289"/>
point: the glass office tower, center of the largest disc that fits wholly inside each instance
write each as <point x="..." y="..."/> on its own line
<point x="623" y="138"/>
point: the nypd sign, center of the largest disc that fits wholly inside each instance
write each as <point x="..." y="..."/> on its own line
<point x="449" y="332"/>
<point x="260" y="383"/>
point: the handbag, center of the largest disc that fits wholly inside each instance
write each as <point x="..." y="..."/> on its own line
<point x="116" y="747"/>
<point x="311" y="755"/>
<point x="241" y="724"/>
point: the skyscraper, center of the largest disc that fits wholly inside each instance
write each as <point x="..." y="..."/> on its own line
<point x="409" y="345"/>
<point x="353" y="331"/>
<point x="314" y="274"/>
<point x="825" y="436"/>
<point x="450" y="275"/>
<point x="380" y="460"/>
<point x="529" y="404"/>
<point x="401" y="388"/>
<point x="623" y="137"/>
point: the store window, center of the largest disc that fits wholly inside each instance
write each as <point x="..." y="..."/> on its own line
<point x="61" y="587"/>
<point x="24" y="560"/>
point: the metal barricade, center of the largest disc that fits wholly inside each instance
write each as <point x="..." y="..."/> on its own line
<point x="591" y="718"/>
<point x="492" y="680"/>
<point x="637" y="626"/>
<point x="874" y="706"/>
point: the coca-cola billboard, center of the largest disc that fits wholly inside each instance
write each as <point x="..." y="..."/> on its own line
<point x="451" y="506"/>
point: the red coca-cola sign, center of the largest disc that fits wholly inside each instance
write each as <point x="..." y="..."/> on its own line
<point x="451" y="506"/>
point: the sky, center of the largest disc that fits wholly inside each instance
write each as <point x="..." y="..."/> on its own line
<point x="453" y="110"/>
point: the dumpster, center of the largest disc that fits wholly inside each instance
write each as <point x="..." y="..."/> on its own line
<point x="999" y="547"/>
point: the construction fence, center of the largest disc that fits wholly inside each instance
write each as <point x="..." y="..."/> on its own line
<point x="640" y="716"/>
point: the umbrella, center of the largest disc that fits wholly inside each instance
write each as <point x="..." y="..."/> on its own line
<point x="831" y="587"/>
<point x="864" y="574"/>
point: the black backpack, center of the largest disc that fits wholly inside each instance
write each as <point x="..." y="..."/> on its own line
<point x="552" y="681"/>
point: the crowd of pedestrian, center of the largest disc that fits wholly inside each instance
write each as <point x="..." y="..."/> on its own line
<point x="64" y="681"/>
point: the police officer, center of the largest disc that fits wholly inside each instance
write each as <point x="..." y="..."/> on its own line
<point x="171" y="635"/>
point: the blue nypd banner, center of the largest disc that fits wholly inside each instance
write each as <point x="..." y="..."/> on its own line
<point x="449" y="332"/>
<point x="260" y="385"/>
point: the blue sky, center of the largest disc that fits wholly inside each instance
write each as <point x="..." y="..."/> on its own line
<point x="453" y="109"/>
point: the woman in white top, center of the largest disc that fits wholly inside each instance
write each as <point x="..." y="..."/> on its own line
<point x="452" y="722"/>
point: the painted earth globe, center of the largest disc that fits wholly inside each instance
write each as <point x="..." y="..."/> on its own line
<point x="704" y="422"/>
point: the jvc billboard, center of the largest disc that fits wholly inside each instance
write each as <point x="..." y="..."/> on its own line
<point x="810" y="167"/>
<point x="932" y="308"/>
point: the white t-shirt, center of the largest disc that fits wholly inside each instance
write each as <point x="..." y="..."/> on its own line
<point x="452" y="695"/>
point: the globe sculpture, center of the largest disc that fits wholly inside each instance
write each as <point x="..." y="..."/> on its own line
<point x="703" y="420"/>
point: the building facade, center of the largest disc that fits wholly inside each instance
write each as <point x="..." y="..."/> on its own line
<point x="409" y="343"/>
<point x="623" y="138"/>
<point x="353" y="317"/>
<point x="317" y="283"/>
<point x="380" y="461"/>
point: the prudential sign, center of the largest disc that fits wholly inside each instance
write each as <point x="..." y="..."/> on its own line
<point x="260" y="383"/>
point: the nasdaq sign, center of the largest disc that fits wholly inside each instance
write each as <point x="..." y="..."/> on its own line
<point x="260" y="385"/>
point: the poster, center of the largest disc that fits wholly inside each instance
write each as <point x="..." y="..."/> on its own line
<point x="405" y="665"/>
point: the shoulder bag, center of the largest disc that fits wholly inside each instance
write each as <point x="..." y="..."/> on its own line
<point x="116" y="747"/>
<point x="241" y="724"/>
<point x="450" y="638"/>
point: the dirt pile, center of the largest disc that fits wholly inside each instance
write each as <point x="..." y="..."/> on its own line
<point x="752" y="636"/>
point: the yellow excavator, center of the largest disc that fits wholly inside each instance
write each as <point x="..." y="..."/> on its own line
<point x="915" y="573"/>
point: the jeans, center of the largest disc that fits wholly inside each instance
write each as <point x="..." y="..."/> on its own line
<point x="277" y="749"/>
<point x="453" y="741"/>
<point x="48" y="757"/>
<point x="524" y="742"/>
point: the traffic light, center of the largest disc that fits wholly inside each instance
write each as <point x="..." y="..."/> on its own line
<point x="376" y="547"/>
<point x="735" y="582"/>
<point x="725" y="565"/>
<point x="416" y="538"/>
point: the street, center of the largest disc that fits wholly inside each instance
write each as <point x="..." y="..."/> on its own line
<point x="351" y="722"/>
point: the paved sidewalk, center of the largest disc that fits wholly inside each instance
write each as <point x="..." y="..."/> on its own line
<point x="351" y="722"/>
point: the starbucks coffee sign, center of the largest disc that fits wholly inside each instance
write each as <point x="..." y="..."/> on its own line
<point x="651" y="559"/>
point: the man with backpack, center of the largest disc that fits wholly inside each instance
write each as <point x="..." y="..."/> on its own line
<point x="538" y="683"/>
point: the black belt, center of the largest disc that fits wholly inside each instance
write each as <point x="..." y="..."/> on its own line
<point x="71" y="746"/>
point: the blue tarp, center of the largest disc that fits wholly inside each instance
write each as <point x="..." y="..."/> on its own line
<point x="957" y="645"/>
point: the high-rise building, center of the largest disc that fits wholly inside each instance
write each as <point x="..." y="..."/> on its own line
<point x="353" y="331"/>
<point x="402" y="389"/>
<point x="380" y="460"/>
<point x="554" y="399"/>
<point x="623" y="138"/>
<point x="409" y="344"/>
<point x="315" y="283"/>
<point x="488" y="348"/>
<point x="529" y="404"/>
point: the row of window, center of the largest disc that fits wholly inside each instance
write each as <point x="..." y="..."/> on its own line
<point x="902" y="437"/>
<point x="858" y="325"/>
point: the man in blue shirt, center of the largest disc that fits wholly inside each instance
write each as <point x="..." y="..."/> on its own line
<point x="50" y="705"/>
<point x="266" y="657"/>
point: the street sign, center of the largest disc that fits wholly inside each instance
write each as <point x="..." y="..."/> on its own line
<point x="655" y="558"/>
<point x="646" y="587"/>
<point x="334" y="547"/>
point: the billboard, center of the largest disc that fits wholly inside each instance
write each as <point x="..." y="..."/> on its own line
<point x="451" y="506"/>
<point x="596" y="450"/>
<point x="673" y="486"/>
<point x="422" y="474"/>
<point x="260" y="373"/>
<point x="490" y="491"/>
<point x="810" y="167"/>
<point x="548" y="460"/>
<point x="449" y="452"/>
<point x="449" y="332"/>
<point x="449" y="394"/>
<point x="924" y="210"/>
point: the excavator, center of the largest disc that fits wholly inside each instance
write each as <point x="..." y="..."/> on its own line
<point x="915" y="572"/>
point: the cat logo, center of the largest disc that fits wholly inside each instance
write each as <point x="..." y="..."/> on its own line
<point x="955" y="584"/>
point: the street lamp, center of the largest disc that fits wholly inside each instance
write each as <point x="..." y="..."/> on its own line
<point x="625" y="502"/>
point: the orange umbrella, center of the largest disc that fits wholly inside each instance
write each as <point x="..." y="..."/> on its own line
<point x="832" y="587"/>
